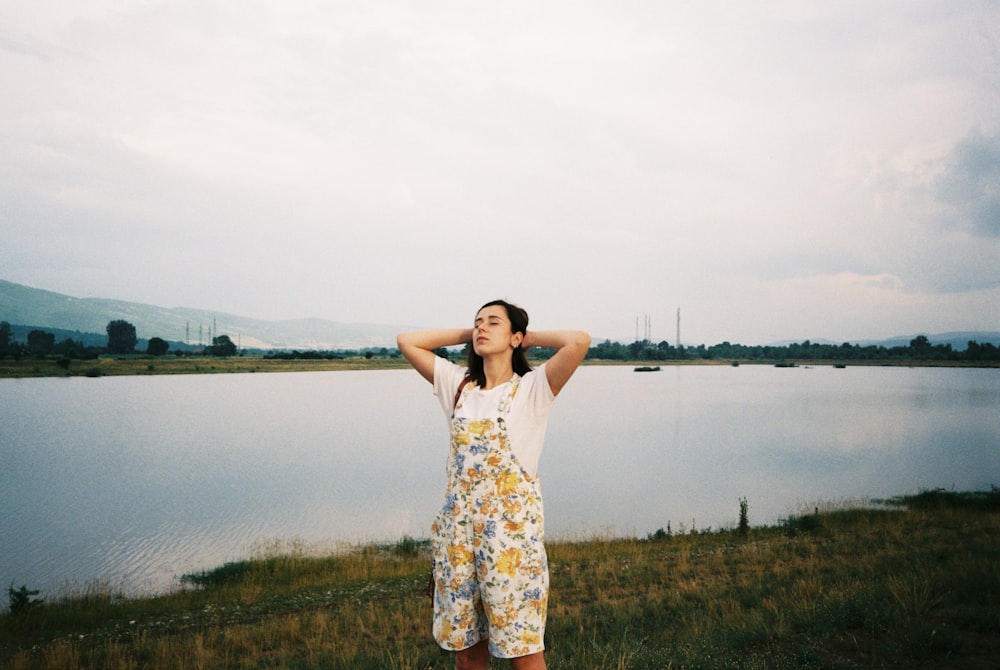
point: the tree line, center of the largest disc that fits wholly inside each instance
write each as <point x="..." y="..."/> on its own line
<point x="122" y="339"/>
<point x="920" y="348"/>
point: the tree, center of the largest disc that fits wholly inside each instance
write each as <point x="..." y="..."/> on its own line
<point x="4" y="337"/>
<point x="23" y="599"/>
<point x="41" y="343"/>
<point x="221" y="346"/>
<point x="157" y="346"/>
<point x="121" y="337"/>
<point x="68" y="348"/>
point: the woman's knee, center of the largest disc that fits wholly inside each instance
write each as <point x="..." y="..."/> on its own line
<point x="530" y="662"/>
<point x="476" y="657"/>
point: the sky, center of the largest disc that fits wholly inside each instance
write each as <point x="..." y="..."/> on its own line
<point x="775" y="170"/>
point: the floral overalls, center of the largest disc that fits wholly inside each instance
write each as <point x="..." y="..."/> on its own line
<point x="490" y="569"/>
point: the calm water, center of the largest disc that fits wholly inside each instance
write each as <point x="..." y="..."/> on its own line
<point x="138" y="480"/>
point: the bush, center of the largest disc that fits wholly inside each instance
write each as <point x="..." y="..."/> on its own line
<point x="22" y="600"/>
<point x="933" y="499"/>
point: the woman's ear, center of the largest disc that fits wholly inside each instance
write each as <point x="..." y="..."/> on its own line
<point x="517" y="339"/>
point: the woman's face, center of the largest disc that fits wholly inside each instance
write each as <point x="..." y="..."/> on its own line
<point x="491" y="333"/>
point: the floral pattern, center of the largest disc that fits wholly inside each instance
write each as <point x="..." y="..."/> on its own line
<point x="490" y="567"/>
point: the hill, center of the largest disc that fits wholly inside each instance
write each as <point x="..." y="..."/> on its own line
<point x="23" y="305"/>
<point x="88" y="318"/>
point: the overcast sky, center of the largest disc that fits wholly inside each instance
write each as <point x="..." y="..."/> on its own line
<point x="777" y="170"/>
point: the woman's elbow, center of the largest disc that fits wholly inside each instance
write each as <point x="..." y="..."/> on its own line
<point x="404" y="340"/>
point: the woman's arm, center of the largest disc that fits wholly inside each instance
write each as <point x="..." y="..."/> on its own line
<point x="418" y="347"/>
<point x="571" y="346"/>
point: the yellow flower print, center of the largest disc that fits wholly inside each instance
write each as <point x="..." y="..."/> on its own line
<point x="480" y="427"/>
<point x="488" y="506"/>
<point x="507" y="483"/>
<point x="530" y="638"/>
<point x="446" y="628"/>
<point x="468" y="620"/>
<point x="463" y="439"/>
<point x="498" y="619"/>
<point x="512" y="505"/>
<point x="509" y="561"/>
<point x="514" y="526"/>
<point x="503" y="619"/>
<point x="535" y="570"/>
<point x="459" y="555"/>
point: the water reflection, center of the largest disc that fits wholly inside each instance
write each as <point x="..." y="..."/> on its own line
<point x="140" y="479"/>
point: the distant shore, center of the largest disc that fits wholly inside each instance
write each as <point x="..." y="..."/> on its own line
<point x="112" y="366"/>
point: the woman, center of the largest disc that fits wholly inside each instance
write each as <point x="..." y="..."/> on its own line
<point x="490" y="569"/>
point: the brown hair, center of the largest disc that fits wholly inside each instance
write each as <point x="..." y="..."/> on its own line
<point x="518" y="324"/>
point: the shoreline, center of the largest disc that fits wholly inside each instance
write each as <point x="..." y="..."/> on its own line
<point x="142" y="365"/>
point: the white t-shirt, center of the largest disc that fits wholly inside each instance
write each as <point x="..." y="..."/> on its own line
<point x="528" y="416"/>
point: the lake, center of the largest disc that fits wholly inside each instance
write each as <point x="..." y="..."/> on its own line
<point x="134" y="481"/>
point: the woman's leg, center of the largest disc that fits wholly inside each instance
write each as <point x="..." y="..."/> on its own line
<point x="476" y="657"/>
<point x="530" y="662"/>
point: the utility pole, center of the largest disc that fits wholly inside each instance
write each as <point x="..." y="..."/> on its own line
<point x="678" y="328"/>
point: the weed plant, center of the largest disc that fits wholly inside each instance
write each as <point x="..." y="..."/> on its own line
<point x="908" y="584"/>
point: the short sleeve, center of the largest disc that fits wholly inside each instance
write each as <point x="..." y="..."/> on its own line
<point x="447" y="378"/>
<point x="538" y="396"/>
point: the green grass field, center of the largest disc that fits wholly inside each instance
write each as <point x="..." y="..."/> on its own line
<point x="174" y="365"/>
<point x="915" y="585"/>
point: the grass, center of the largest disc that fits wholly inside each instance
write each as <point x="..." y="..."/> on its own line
<point x="913" y="583"/>
<point x="173" y="365"/>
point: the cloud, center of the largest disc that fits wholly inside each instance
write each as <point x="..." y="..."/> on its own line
<point x="970" y="184"/>
<point x="380" y="162"/>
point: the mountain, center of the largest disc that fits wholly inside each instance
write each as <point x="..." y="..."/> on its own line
<point x="36" y="308"/>
<point x="42" y="309"/>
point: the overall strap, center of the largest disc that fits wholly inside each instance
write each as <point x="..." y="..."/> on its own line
<point x="458" y="393"/>
<point x="508" y="400"/>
